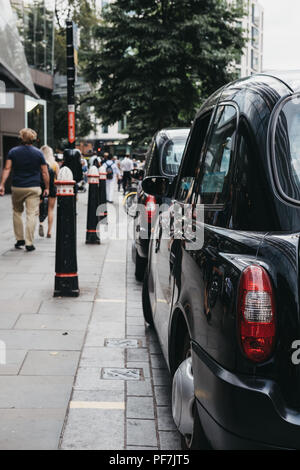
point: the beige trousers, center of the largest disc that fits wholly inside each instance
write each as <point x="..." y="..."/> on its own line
<point x="31" y="198"/>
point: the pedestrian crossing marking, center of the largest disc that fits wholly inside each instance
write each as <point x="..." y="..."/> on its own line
<point x="97" y="405"/>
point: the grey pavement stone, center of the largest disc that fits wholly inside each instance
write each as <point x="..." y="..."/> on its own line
<point x="93" y="429"/>
<point x="99" y="395"/>
<point x="141" y="388"/>
<point x="7" y="320"/>
<point x="42" y="340"/>
<point x="30" y="429"/>
<point x="137" y="355"/>
<point x="88" y="378"/>
<point x="20" y="306"/>
<point x="14" y="360"/>
<point x="61" y="306"/>
<point x="161" y="377"/>
<point x="102" y="357"/>
<point x="140" y="407"/>
<point x="165" y="418"/>
<point x="35" y="392"/>
<point x="162" y="395"/>
<point x="170" y="440"/>
<point x="141" y="432"/>
<point x="50" y="363"/>
<point x="141" y="448"/>
<point x="136" y="321"/>
<point x="133" y="330"/>
<point x="52" y="322"/>
<point x="158" y="361"/>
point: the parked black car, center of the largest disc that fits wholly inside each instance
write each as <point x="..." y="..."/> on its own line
<point x="163" y="158"/>
<point x="227" y="313"/>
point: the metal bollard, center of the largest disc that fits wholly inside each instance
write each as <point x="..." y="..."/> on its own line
<point x="93" y="202"/>
<point x="102" y="196"/>
<point x="66" y="277"/>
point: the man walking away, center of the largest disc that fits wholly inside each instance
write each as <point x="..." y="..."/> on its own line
<point x="27" y="162"/>
<point x="112" y="172"/>
<point x="126" y="167"/>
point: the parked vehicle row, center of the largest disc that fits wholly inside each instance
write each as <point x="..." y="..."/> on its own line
<point x="227" y="312"/>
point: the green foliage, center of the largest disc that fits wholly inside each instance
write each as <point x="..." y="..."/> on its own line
<point x="158" y="59"/>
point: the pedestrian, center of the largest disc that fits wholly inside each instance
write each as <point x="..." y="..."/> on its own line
<point x="120" y="179"/>
<point x="126" y="167"/>
<point x="26" y="163"/>
<point x="112" y="173"/>
<point x="53" y="169"/>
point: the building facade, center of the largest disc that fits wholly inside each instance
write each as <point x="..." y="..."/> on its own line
<point x="26" y="71"/>
<point x="253" y="25"/>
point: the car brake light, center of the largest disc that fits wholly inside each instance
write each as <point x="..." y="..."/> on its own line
<point x="256" y="314"/>
<point x="150" y="207"/>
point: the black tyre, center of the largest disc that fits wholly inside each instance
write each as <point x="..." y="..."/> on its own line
<point x="197" y="440"/>
<point x="140" y="267"/>
<point x="147" y="310"/>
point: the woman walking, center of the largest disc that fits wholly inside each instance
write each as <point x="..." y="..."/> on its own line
<point x="53" y="169"/>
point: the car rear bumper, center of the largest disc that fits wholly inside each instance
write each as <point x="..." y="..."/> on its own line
<point x="241" y="412"/>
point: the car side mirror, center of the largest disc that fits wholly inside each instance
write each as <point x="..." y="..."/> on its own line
<point x="156" y="185"/>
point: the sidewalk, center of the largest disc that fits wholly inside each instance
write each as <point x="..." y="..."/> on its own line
<point x="60" y="387"/>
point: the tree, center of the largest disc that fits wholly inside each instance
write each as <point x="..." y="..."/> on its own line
<point x="158" y="59"/>
<point x="83" y="15"/>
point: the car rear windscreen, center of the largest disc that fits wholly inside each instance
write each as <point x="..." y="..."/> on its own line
<point x="287" y="148"/>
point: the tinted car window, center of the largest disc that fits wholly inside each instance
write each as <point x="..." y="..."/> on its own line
<point x="287" y="148"/>
<point x="171" y="156"/>
<point x="192" y="159"/>
<point x="214" y="179"/>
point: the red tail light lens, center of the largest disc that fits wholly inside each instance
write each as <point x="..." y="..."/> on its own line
<point x="150" y="207"/>
<point x="256" y="314"/>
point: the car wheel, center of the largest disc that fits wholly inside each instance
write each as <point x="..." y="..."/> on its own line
<point x="147" y="310"/>
<point x="140" y="266"/>
<point x="184" y="407"/>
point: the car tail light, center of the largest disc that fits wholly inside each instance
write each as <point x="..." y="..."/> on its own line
<point x="256" y="314"/>
<point x="150" y="207"/>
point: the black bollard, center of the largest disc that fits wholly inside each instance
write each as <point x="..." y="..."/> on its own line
<point x="93" y="202"/>
<point x="66" y="277"/>
<point x="102" y="196"/>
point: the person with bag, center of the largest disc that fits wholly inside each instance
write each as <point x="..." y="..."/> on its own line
<point x="47" y="206"/>
<point x="26" y="163"/>
<point x="112" y="172"/>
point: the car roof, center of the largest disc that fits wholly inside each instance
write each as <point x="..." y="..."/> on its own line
<point x="173" y="133"/>
<point x="275" y="84"/>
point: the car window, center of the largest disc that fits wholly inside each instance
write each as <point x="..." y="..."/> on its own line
<point x="171" y="156"/>
<point x="287" y="148"/>
<point x="191" y="164"/>
<point x="214" y="176"/>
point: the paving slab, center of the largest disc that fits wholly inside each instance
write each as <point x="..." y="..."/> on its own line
<point x="51" y="322"/>
<point x="140" y="407"/>
<point x="35" y="392"/>
<point x="141" y="432"/>
<point x="50" y="363"/>
<point x="103" y="357"/>
<point x="88" y="378"/>
<point x="14" y="360"/>
<point x="94" y="429"/>
<point x="41" y="339"/>
<point x="66" y="306"/>
<point x="30" y="429"/>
